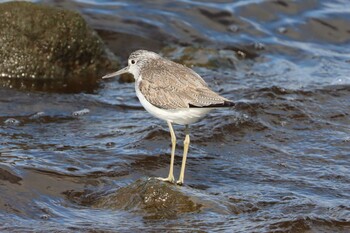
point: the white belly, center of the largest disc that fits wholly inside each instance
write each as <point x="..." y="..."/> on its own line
<point x="182" y="116"/>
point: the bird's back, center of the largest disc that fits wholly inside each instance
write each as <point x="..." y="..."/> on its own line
<point x="170" y="85"/>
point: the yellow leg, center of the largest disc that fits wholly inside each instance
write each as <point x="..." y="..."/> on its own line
<point x="170" y="177"/>
<point x="184" y="157"/>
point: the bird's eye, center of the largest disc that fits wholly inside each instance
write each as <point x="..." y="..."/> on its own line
<point x="133" y="62"/>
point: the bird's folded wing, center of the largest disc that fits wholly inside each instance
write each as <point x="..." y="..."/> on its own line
<point x="173" y="86"/>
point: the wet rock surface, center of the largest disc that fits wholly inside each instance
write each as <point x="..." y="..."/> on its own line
<point x="47" y="48"/>
<point x="151" y="198"/>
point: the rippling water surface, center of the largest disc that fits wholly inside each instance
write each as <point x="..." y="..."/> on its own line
<point x="278" y="162"/>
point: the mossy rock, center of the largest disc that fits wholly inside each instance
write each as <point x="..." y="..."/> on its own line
<point x="49" y="48"/>
<point x="152" y="198"/>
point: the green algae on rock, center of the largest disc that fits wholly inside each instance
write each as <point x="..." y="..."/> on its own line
<point x="154" y="199"/>
<point x="47" y="48"/>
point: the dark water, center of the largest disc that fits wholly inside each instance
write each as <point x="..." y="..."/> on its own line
<point x="278" y="162"/>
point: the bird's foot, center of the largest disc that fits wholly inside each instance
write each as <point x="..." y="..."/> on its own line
<point x="169" y="179"/>
<point x="180" y="182"/>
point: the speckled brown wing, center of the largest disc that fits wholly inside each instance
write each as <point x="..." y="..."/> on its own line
<point x="169" y="85"/>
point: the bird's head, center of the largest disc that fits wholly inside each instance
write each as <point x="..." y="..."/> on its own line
<point x="137" y="60"/>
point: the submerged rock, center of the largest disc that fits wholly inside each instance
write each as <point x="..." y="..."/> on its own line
<point x="201" y="57"/>
<point x="48" y="48"/>
<point x="152" y="198"/>
<point x="6" y="174"/>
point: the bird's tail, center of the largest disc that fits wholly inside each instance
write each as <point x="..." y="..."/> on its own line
<point x="225" y="104"/>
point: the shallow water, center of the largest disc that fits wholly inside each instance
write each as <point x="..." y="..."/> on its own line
<point x="278" y="162"/>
